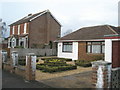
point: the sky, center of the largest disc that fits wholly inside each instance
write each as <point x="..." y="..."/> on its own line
<point x="72" y="14"/>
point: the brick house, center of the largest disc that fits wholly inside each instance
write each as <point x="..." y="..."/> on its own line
<point x="87" y="43"/>
<point x="34" y="31"/>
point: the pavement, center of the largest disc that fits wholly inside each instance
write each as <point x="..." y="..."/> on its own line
<point x="10" y="80"/>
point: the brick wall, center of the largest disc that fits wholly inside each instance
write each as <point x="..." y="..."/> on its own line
<point x="43" y="29"/>
<point x="11" y="30"/>
<point x="16" y="30"/>
<point x="83" y="55"/>
<point x="37" y="31"/>
<point x="53" y="29"/>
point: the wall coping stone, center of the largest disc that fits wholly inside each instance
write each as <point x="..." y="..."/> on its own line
<point x="100" y="62"/>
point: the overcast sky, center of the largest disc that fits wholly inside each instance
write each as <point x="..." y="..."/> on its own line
<point x="72" y="14"/>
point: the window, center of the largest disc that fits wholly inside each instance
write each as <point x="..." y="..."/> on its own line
<point x="67" y="47"/>
<point x="95" y="47"/>
<point x="18" y="29"/>
<point x="25" y="27"/>
<point x="13" y="30"/>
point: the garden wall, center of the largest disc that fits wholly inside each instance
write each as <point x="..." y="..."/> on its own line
<point x="38" y="52"/>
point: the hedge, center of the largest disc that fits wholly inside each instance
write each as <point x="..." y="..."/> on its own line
<point x="52" y="69"/>
<point x="83" y="63"/>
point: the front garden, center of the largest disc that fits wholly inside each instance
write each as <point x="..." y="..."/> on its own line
<point x="55" y="65"/>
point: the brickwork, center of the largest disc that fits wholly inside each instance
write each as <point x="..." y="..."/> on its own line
<point x="101" y="77"/>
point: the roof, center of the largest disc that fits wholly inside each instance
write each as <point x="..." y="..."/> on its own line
<point x="90" y="33"/>
<point x="31" y="17"/>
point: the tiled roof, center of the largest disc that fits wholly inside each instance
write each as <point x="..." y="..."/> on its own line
<point x="88" y="33"/>
<point x="31" y="17"/>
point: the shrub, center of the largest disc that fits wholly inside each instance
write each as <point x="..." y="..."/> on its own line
<point x="83" y="63"/>
<point x="22" y="62"/>
<point x="55" y="66"/>
<point x="37" y="60"/>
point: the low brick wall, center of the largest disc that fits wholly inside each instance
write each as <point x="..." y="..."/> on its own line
<point x="17" y="70"/>
<point x="7" y="66"/>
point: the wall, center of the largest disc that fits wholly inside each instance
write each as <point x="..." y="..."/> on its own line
<point x="53" y="28"/>
<point x="43" y="29"/>
<point x="42" y="52"/>
<point x="82" y="55"/>
<point x="73" y="55"/>
<point x="37" y="32"/>
<point x="108" y="50"/>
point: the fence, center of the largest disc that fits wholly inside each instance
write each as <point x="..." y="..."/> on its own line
<point x="38" y="52"/>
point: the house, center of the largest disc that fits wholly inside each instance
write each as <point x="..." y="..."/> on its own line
<point x="34" y="31"/>
<point x="87" y="43"/>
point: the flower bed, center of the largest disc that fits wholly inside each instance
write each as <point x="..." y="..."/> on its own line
<point x="55" y="65"/>
<point x="65" y="59"/>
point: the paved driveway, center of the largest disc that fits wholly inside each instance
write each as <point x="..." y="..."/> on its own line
<point x="14" y="81"/>
<point x="80" y="80"/>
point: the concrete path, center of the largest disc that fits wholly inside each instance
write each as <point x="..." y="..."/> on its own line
<point x="14" y="81"/>
<point x="80" y="80"/>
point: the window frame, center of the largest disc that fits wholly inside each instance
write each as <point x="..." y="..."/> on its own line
<point x="67" y="43"/>
<point x="101" y="43"/>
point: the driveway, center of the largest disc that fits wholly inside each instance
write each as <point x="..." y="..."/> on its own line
<point x="14" y="81"/>
<point x="80" y="80"/>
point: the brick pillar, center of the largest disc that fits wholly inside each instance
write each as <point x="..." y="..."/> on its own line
<point x="14" y="61"/>
<point x="30" y="66"/>
<point x="101" y="77"/>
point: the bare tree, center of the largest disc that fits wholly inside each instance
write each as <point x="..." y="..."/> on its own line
<point x="67" y="32"/>
<point x="3" y="29"/>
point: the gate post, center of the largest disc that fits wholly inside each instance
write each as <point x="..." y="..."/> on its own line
<point x="101" y="74"/>
<point x="30" y="66"/>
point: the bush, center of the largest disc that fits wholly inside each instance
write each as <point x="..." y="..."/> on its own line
<point x="55" y="65"/>
<point x="37" y="60"/>
<point x="22" y="62"/>
<point x="83" y="63"/>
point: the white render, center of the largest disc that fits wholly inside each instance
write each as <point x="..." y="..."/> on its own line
<point x="108" y="50"/>
<point x="73" y="55"/>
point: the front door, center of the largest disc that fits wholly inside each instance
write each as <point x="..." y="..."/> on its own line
<point x="115" y="54"/>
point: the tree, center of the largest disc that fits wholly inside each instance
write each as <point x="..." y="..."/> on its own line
<point x="3" y="29"/>
<point x="67" y="32"/>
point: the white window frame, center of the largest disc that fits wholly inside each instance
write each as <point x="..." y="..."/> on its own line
<point x="13" y="30"/>
<point x="25" y="28"/>
<point x="18" y="29"/>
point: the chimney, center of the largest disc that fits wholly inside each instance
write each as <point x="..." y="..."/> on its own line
<point x="30" y="14"/>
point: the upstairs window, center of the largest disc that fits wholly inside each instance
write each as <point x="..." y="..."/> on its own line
<point x="13" y="30"/>
<point x="95" y="47"/>
<point x="18" y="29"/>
<point x="25" y="28"/>
<point x="67" y="47"/>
